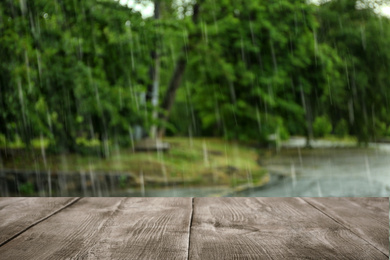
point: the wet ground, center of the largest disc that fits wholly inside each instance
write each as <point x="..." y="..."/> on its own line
<point x="329" y="169"/>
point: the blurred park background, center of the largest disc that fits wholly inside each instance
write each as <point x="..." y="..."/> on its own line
<point x="194" y="98"/>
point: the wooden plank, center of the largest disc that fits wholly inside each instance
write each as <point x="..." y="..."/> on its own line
<point x="19" y="214"/>
<point x="4" y="201"/>
<point x="366" y="217"/>
<point x="109" y="228"/>
<point x="271" y="228"/>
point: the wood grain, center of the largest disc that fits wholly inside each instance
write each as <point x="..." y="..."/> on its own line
<point x="109" y="228"/>
<point x="271" y="228"/>
<point x="365" y="217"/>
<point x="19" y="214"/>
<point x="200" y="228"/>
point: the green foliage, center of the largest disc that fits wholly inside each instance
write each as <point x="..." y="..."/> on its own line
<point x="3" y="140"/>
<point x="26" y="189"/>
<point x="16" y="143"/>
<point x="258" y="73"/>
<point x="341" y="129"/>
<point x="380" y="128"/>
<point x="123" y="181"/>
<point x="283" y="133"/>
<point x="68" y="68"/>
<point x="322" y="126"/>
<point x="40" y="143"/>
<point x="361" y="38"/>
<point x="82" y="141"/>
<point x="76" y="71"/>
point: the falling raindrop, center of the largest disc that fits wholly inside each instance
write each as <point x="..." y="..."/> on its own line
<point x="273" y="56"/>
<point x="329" y="89"/>
<point x="319" y="189"/>
<point x="368" y="171"/>
<point x="165" y="174"/>
<point x="205" y="155"/>
<point x="351" y="112"/>
<point x="21" y="100"/>
<point x="49" y="182"/>
<point x="190" y="137"/>
<point x="242" y="50"/>
<point x="258" y="119"/>
<point x="23" y="6"/>
<point x="142" y="183"/>
<point x="293" y="175"/>
<point x="315" y="46"/>
<point x="83" y="183"/>
<point x="300" y="156"/>
<point x="28" y="71"/>
<point x="43" y="150"/>
<point x="363" y="36"/>
<point x="131" y="136"/>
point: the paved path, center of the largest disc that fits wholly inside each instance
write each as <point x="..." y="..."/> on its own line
<point x="194" y="228"/>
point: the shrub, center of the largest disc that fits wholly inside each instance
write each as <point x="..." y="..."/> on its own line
<point x="38" y="142"/>
<point x="82" y="141"/>
<point x="380" y="129"/>
<point x="388" y="132"/>
<point x="26" y="188"/>
<point x="341" y="129"/>
<point x="322" y="126"/>
<point x="3" y="140"/>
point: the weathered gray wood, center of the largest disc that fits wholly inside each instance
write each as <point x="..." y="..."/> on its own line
<point x="7" y="201"/>
<point x="366" y="217"/>
<point x="221" y="228"/>
<point x="19" y="214"/>
<point x="271" y="228"/>
<point x="109" y="228"/>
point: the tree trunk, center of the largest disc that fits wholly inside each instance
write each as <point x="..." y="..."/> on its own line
<point x="177" y="76"/>
<point x="170" y="95"/>
<point x="154" y="72"/>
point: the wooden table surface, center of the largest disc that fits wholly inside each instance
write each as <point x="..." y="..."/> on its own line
<point x="194" y="228"/>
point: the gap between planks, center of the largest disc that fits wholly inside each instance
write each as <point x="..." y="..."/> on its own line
<point x="189" y="229"/>
<point x="338" y="222"/>
<point x="39" y="221"/>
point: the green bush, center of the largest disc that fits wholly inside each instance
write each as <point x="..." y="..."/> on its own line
<point x="341" y="129"/>
<point x="322" y="126"/>
<point x="122" y="181"/>
<point x="283" y="133"/>
<point x="380" y="129"/>
<point x="38" y="142"/>
<point x="3" y="140"/>
<point x="26" y="188"/>
<point x="388" y="132"/>
<point x="181" y="119"/>
<point x="82" y="141"/>
<point x="14" y="144"/>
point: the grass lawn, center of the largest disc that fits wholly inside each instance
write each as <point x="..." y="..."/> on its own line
<point x="195" y="162"/>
